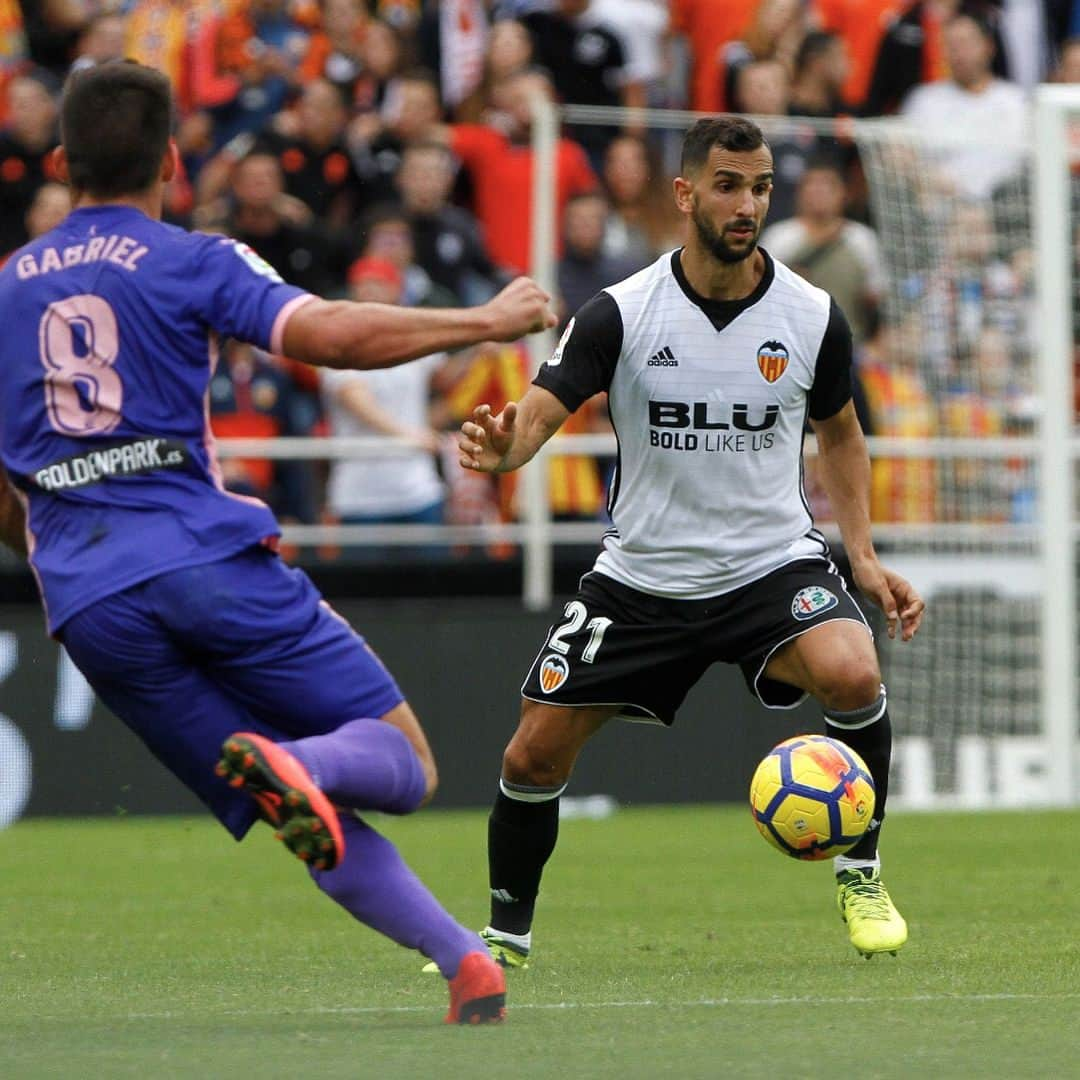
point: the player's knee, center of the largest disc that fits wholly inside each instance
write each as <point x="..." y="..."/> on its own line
<point x="852" y="683"/>
<point x="529" y="765"/>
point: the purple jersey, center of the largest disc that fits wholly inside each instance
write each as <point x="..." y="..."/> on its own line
<point x="110" y="330"/>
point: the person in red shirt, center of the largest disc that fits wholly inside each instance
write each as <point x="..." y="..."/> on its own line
<point x="501" y="168"/>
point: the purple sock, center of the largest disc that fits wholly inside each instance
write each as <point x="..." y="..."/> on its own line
<point x="375" y="886"/>
<point x="364" y="764"/>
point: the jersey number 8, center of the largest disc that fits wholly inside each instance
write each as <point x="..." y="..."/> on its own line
<point x="78" y="344"/>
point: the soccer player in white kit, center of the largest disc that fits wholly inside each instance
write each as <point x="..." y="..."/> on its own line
<point x="713" y="357"/>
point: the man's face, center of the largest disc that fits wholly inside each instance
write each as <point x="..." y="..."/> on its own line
<point x="417" y="109"/>
<point x="583" y="224"/>
<point x="762" y="88"/>
<point x="257" y="182"/>
<point x="425" y="179"/>
<point x="968" y="51"/>
<point x="322" y="113"/>
<point x="33" y="111"/>
<point x="821" y="194"/>
<point x="518" y="94"/>
<point x="391" y="240"/>
<point x="727" y="199"/>
<point x="51" y="205"/>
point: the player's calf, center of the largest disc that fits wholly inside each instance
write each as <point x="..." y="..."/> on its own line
<point x="288" y="799"/>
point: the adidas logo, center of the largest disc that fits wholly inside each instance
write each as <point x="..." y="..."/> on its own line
<point x="664" y="358"/>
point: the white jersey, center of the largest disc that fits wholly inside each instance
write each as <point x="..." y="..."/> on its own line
<point x="709" y="401"/>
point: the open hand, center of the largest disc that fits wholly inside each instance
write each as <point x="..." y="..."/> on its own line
<point x="485" y="439"/>
<point x="895" y="595"/>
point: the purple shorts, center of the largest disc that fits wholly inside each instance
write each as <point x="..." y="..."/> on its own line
<point x="242" y="644"/>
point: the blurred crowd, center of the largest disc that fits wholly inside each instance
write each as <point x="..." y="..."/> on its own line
<point x="379" y="149"/>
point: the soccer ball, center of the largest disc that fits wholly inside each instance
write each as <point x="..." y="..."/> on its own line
<point x="812" y="797"/>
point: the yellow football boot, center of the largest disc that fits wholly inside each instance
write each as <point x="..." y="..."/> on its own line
<point x="874" y="924"/>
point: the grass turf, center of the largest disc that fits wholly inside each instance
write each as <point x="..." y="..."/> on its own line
<point x="670" y="942"/>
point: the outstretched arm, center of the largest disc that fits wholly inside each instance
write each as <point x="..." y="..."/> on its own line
<point x="12" y="517"/>
<point x="845" y="472"/>
<point x="505" y="442"/>
<point x="343" y="334"/>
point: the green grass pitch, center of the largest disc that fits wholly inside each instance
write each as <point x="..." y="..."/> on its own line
<point x="670" y="943"/>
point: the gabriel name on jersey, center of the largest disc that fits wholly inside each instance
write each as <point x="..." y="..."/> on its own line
<point x="112" y="327"/>
<point x="709" y="400"/>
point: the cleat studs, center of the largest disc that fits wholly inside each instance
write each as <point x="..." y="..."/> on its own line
<point x="249" y="760"/>
<point x="278" y="834"/>
<point x="221" y="769"/>
<point x="293" y="798"/>
<point x="236" y="781"/>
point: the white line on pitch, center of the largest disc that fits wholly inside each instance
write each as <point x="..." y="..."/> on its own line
<point x="701" y="1003"/>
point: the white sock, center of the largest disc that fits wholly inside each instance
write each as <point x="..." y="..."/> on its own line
<point x="522" y="942"/>
<point x="842" y="863"/>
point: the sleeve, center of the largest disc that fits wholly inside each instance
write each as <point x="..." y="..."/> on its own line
<point x="832" y="373"/>
<point x="241" y="295"/>
<point x="473" y="143"/>
<point x="584" y="361"/>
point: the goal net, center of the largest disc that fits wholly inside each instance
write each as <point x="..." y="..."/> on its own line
<point x="971" y="423"/>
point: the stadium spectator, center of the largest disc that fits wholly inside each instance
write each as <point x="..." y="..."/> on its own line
<point x="501" y="168"/>
<point x="447" y="240"/>
<point x="913" y="49"/>
<point x="51" y="204"/>
<point x="376" y="140"/>
<point x="244" y="65"/>
<point x="251" y="397"/>
<point x="158" y="33"/>
<point x="387" y="235"/>
<point x="50" y="29"/>
<point x="762" y="88"/>
<point x="585" y="268"/>
<point x="314" y="157"/>
<point x="509" y="50"/>
<point x="25" y="148"/>
<point x="821" y="70"/>
<point x="588" y="65"/>
<point x="335" y="51"/>
<point x="280" y="228"/>
<point x="383" y="55"/>
<point x="773" y="33"/>
<point x="708" y="25"/>
<point x="401" y="486"/>
<point x="102" y="39"/>
<point x="641" y="222"/>
<point x="642" y="27"/>
<point x="861" y="25"/>
<point x="901" y="489"/>
<point x="1067" y="69"/>
<point x="839" y="255"/>
<point x="973" y="101"/>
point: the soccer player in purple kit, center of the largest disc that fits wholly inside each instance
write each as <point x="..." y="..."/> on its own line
<point x="163" y="587"/>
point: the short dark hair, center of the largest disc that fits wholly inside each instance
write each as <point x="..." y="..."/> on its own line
<point x="114" y="125"/>
<point x="734" y="133"/>
<point x="816" y="43"/>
